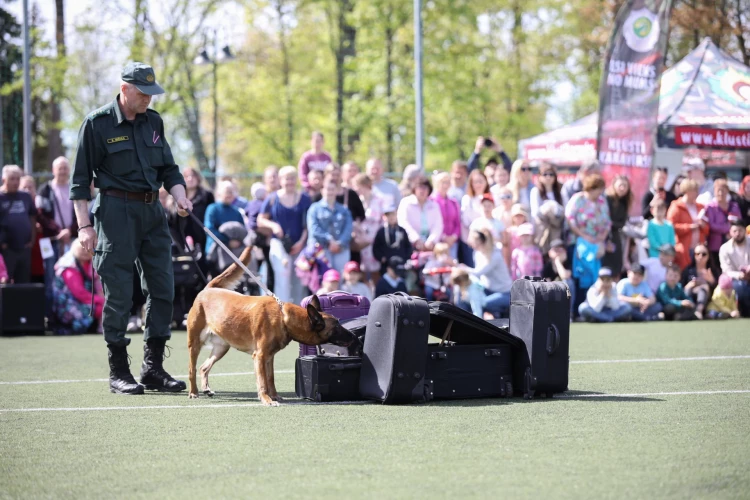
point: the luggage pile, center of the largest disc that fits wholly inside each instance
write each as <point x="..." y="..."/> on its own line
<point x="417" y="351"/>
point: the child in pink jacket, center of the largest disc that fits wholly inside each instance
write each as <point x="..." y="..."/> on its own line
<point x="526" y="259"/>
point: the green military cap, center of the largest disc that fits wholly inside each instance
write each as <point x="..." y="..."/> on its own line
<point x="142" y="76"/>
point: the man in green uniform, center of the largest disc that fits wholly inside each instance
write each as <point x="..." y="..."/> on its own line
<point x="122" y="148"/>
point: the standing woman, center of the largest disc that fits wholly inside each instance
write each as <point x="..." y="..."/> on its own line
<point x="547" y="187"/>
<point x="689" y="229"/>
<point x="520" y="183"/>
<point x="420" y="217"/>
<point x="471" y="208"/>
<point x="619" y="200"/>
<point x="450" y="211"/>
<point x="284" y="214"/>
<point x="350" y="199"/>
<point x="743" y="200"/>
<point x="720" y="213"/>
<point x="374" y="210"/>
<point x="201" y="199"/>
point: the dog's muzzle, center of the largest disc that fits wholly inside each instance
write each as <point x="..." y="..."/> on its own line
<point x="344" y="338"/>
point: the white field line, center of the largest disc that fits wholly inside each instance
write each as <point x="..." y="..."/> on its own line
<point x="657" y="360"/>
<point x="582" y="362"/>
<point x="179" y="407"/>
<point x="649" y="394"/>
<point x="305" y="403"/>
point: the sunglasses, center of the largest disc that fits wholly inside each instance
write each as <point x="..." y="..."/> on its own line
<point x="548" y="174"/>
<point x="525" y="169"/>
<point x="506" y="197"/>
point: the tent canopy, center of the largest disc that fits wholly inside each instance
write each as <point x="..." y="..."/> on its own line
<point x="704" y="101"/>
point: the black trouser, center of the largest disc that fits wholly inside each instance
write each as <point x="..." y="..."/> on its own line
<point x="674" y="313"/>
<point x="18" y="264"/>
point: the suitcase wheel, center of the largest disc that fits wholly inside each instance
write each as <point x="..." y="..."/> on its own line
<point x="508" y="390"/>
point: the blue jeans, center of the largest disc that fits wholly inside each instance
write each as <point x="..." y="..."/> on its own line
<point x="648" y="315"/>
<point x="466" y="254"/>
<point x="337" y="261"/>
<point x="482" y="301"/>
<point x="606" y="315"/>
<point x="742" y="289"/>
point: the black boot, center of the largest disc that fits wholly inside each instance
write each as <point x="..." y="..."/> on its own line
<point x="153" y="376"/>
<point x="120" y="379"/>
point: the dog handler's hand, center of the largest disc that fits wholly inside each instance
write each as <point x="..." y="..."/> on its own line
<point x="183" y="205"/>
<point x="87" y="239"/>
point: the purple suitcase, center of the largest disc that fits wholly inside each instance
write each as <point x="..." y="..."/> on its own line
<point x="343" y="305"/>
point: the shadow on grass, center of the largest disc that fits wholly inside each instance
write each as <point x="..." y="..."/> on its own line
<point x="597" y="396"/>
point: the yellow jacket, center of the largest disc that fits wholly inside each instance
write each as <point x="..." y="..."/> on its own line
<point x="721" y="302"/>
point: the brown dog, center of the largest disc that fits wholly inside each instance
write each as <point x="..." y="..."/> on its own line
<point x="256" y="325"/>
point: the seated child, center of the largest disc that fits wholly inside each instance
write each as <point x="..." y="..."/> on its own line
<point x="602" y="304"/>
<point x="353" y="281"/>
<point x="391" y="240"/>
<point x="526" y="259"/>
<point x="724" y="300"/>
<point x="560" y="268"/>
<point x="677" y="306"/>
<point x="496" y="227"/>
<point x="659" y="231"/>
<point x="3" y="270"/>
<point x="635" y="292"/>
<point x="71" y="290"/>
<point x="331" y="280"/>
<point x="393" y="279"/>
<point x="440" y="259"/>
<point x="460" y="283"/>
<point x="656" y="267"/>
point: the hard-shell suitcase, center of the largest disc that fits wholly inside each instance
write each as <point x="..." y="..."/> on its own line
<point x="540" y="316"/>
<point x="474" y="358"/>
<point x="395" y="351"/>
<point x="324" y="378"/>
<point x="343" y="305"/>
<point x="22" y="309"/>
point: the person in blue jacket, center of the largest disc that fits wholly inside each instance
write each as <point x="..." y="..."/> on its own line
<point x="217" y="214"/>
<point x="329" y="224"/>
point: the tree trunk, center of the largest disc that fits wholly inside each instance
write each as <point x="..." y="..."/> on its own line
<point x="54" y="142"/>
<point x="740" y="30"/>
<point x="286" y="74"/>
<point x="139" y="35"/>
<point x="389" y="91"/>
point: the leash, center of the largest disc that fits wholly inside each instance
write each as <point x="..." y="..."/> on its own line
<point x="93" y="289"/>
<point x="234" y="258"/>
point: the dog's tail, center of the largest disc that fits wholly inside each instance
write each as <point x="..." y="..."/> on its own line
<point x="231" y="277"/>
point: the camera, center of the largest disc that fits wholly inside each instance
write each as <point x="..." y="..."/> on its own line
<point x="488" y="143"/>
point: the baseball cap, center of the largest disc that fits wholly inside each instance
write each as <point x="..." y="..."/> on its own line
<point x="638" y="269"/>
<point x="396" y="263"/>
<point x="605" y="272"/>
<point x="693" y="164"/>
<point x="667" y="249"/>
<point x="525" y="229"/>
<point x="258" y="190"/>
<point x="352" y="267"/>
<point x="331" y="275"/>
<point x="725" y="282"/>
<point x="142" y="76"/>
<point x="519" y="210"/>
<point x="389" y="208"/>
<point x="488" y="197"/>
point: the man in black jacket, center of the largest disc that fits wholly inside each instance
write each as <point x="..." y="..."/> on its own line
<point x="658" y="181"/>
<point x="391" y="240"/>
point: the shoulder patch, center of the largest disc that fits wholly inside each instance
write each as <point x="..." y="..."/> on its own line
<point x="100" y="112"/>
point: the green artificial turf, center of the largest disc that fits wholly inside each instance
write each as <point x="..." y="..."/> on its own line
<point x="632" y="444"/>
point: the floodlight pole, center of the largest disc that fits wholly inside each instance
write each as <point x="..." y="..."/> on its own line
<point x="215" y="64"/>
<point x="26" y="92"/>
<point x="419" y="139"/>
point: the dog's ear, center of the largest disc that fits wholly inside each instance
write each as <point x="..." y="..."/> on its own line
<point x="315" y="302"/>
<point x="317" y="323"/>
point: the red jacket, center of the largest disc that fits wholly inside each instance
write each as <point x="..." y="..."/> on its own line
<point x="680" y="218"/>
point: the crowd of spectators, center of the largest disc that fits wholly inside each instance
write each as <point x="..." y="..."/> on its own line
<point x="463" y="236"/>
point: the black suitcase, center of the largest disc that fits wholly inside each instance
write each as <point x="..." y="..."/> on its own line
<point x="22" y="309"/>
<point x="474" y="358"/>
<point x="325" y="378"/>
<point x="356" y="326"/>
<point x="394" y="358"/>
<point x="540" y="316"/>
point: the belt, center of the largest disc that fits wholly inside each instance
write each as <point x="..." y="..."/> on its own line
<point x="147" y="197"/>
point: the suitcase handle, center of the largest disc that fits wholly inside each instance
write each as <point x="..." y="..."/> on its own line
<point x="340" y="367"/>
<point x="553" y="339"/>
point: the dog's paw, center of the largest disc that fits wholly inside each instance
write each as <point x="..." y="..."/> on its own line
<point x="209" y="393"/>
<point x="267" y="401"/>
<point x="193" y="395"/>
<point x="277" y="398"/>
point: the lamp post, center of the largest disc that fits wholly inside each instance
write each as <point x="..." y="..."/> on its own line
<point x="219" y="56"/>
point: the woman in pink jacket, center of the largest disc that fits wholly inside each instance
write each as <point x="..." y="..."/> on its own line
<point x="450" y="211"/>
<point x="420" y="216"/>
